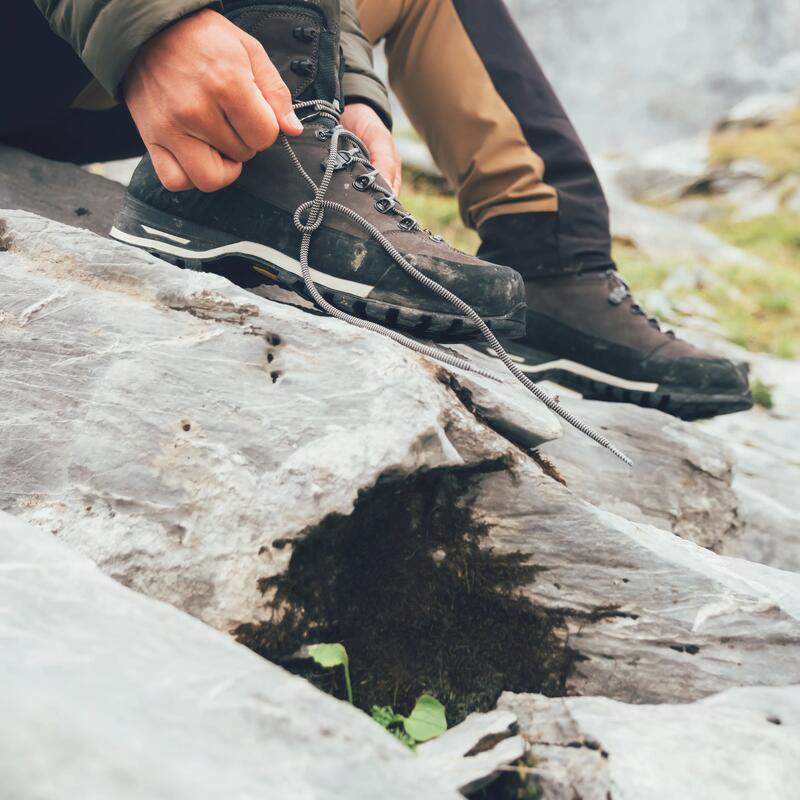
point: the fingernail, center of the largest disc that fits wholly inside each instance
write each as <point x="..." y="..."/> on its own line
<point x="295" y="121"/>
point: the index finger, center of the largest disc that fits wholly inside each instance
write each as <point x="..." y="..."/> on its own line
<point x="272" y="86"/>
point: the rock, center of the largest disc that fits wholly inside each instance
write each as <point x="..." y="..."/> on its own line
<point x="469" y="755"/>
<point x="767" y="465"/>
<point x="653" y="617"/>
<point x="415" y="154"/>
<point x="757" y="110"/>
<point x="57" y="191"/>
<point x="595" y="748"/>
<point x="697" y="209"/>
<point x="743" y="173"/>
<point x="660" y="236"/>
<point x="681" y="481"/>
<point x="636" y="75"/>
<point x="108" y="694"/>
<point x="666" y="172"/>
<point x="118" y="171"/>
<point x="193" y="412"/>
<point x="292" y="479"/>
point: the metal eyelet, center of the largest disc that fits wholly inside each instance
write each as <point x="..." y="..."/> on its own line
<point x="323" y="134"/>
<point x="434" y="237"/>
<point x="385" y="204"/>
<point x="305" y="34"/>
<point x="407" y="223"/>
<point x="362" y="183"/>
<point x="302" y="66"/>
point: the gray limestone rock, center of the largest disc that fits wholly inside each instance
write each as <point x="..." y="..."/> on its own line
<point x="681" y="481"/>
<point x="284" y="475"/>
<point x="173" y="427"/>
<point x="109" y="694"/>
<point x="57" y="191"/>
<point x="654" y="618"/>
<point x="739" y="744"/>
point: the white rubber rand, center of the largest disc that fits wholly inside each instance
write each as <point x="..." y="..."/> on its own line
<point x="243" y="248"/>
<point x="164" y="235"/>
<point x="565" y="365"/>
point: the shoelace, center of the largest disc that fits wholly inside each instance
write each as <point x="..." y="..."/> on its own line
<point x="314" y="211"/>
<point x="620" y="291"/>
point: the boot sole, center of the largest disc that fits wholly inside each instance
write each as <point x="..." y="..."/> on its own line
<point x="192" y="246"/>
<point x="683" y="402"/>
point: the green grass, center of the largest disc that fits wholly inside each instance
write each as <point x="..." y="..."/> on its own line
<point x="757" y="307"/>
<point x="434" y="206"/>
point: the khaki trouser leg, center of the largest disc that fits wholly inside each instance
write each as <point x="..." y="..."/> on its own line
<point x="450" y="99"/>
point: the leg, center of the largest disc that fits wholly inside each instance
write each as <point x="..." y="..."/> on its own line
<point x="476" y="94"/>
<point x="39" y="112"/>
<point x="474" y="91"/>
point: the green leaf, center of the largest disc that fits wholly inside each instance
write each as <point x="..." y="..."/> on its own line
<point x="427" y="720"/>
<point x="333" y="655"/>
<point x="329" y="655"/>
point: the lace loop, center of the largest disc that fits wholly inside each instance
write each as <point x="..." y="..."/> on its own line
<point x="315" y="209"/>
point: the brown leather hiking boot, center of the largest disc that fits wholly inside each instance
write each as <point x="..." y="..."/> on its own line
<point x="365" y="255"/>
<point x="586" y="332"/>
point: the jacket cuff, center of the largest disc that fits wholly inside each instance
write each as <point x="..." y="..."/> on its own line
<point x="359" y="88"/>
<point x="121" y="28"/>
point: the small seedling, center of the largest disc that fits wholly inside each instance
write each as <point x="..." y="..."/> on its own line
<point x="426" y="721"/>
<point x="333" y="655"/>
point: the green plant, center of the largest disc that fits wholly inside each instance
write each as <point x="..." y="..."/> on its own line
<point x="762" y="393"/>
<point x="333" y="655"/>
<point x="426" y="721"/>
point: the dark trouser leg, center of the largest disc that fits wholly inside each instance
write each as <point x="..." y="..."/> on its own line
<point x="42" y="76"/>
<point x="582" y="227"/>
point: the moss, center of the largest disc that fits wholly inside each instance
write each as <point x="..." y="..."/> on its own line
<point x="408" y="585"/>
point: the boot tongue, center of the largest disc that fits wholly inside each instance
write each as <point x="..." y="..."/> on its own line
<point x="301" y="38"/>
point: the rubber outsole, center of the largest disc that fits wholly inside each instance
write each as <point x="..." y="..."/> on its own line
<point x="684" y="403"/>
<point x="677" y="402"/>
<point x="140" y="225"/>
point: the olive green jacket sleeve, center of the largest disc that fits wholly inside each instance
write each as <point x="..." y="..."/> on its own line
<point x="107" y="34"/>
<point x="360" y="81"/>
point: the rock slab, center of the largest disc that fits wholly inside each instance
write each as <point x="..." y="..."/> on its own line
<point x="108" y="694"/>
<point x="742" y="743"/>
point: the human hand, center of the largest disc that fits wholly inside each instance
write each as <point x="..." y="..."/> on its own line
<point x="361" y="119"/>
<point x="205" y="98"/>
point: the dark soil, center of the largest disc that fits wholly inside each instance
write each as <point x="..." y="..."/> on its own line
<point x="410" y="586"/>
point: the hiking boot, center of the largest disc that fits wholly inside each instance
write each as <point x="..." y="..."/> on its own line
<point x="366" y="255"/>
<point x="586" y="332"/>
